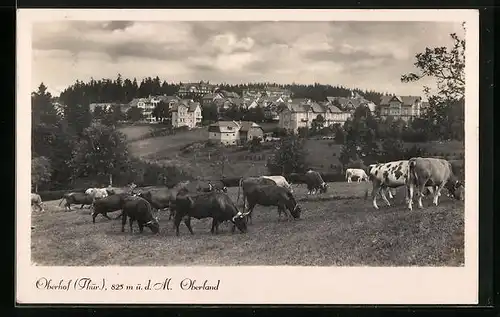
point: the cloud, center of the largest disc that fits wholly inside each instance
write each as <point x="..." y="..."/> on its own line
<point x="369" y="55"/>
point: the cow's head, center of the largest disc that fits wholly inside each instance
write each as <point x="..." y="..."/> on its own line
<point x="456" y="189"/>
<point x="292" y="205"/>
<point x="153" y="225"/>
<point x="324" y="188"/>
<point x="239" y="220"/>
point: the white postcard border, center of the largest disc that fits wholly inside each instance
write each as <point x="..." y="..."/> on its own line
<point x="252" y="285"/>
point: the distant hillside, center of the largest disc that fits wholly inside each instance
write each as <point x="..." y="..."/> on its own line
<point x="322" y="155"/>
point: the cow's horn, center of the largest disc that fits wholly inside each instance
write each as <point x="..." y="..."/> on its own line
<point x="239" y="214"/>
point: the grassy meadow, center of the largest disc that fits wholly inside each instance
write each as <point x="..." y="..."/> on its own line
<point x="338" y="228"/>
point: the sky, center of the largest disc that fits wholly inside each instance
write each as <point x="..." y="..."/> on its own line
<point x="354" y="54"/>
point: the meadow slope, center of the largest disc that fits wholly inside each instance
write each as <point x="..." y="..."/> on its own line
<point x="338" y="228"/>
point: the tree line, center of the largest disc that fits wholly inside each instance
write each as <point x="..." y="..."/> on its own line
<point x="76" y="149"/>
<point x="125" y="90"/>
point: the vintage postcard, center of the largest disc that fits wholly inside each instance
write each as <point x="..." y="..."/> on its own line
<point x="247" y="156"/>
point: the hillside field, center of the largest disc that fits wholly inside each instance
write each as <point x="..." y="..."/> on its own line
<point x="338" y="228"/>
<point x="133" y="132"/>
<point x="322" y="154"/>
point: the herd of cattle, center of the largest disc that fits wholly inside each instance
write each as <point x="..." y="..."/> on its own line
<point x="198" y="199"/>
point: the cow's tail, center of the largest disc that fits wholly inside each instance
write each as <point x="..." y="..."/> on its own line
<point x="412" y="175"/>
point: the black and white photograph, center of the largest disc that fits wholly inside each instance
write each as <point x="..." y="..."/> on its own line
<point x="232" y="142"/>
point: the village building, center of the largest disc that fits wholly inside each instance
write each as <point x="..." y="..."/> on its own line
<point x="301" y="112"/>
<point x="400" y="107"/>
<point x="196" y="89"/>
<point x="186" y="113"/>
<point x="234" y="132"/>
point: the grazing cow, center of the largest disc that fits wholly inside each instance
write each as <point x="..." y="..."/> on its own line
<point x="162" y="199"/>
<point x="272" y="195"/>
<point x="355" y="172"/>
<point x="246" y="183"/>
<point x="109" y="204"/>
<point x="36" y="201"/>
<point x="434" y="172"/>
<point x="315" y="182"/>
<point x="136" y="208"/>
<point x="76" y="198"/>
<point x="385" y="176"/>
<point x="280" y="181"/>
<point x="217" y="206"/>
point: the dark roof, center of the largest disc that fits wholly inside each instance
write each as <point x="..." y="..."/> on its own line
<point x="187" y="103"/>
<point x="209" y="96"/>
<point x="246" y="125"/>
<point x="405" y="100"/>
<point x="229" y="94"/>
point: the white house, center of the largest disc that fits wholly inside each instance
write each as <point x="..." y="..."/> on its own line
<point x="186" y="113"/>
<point x="233" y="132"/>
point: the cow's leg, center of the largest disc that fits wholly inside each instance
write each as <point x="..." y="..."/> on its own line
<point x="130" y="223"/>
<point x="141" y="226"/>
<point x="390" y="193"/>
<point x="124" y="222"/>
<point x="177" y="222"/>
<point x="382" y="193"/>
<point x="81" y="207"/>
<point x="420" y="194"/>
<point x="437" y="193"/>
<point x="213" y="226"/>
<point x="375" y="191"/>
<point x="410" y="188"/>
<point x="93" y="216"/>
<point x="187" y="222"/>
<point x="217" y="226"/>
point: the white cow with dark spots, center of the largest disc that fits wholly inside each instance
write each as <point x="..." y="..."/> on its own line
<point x="386" y="176"/>
<point x="97" y="193"/>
